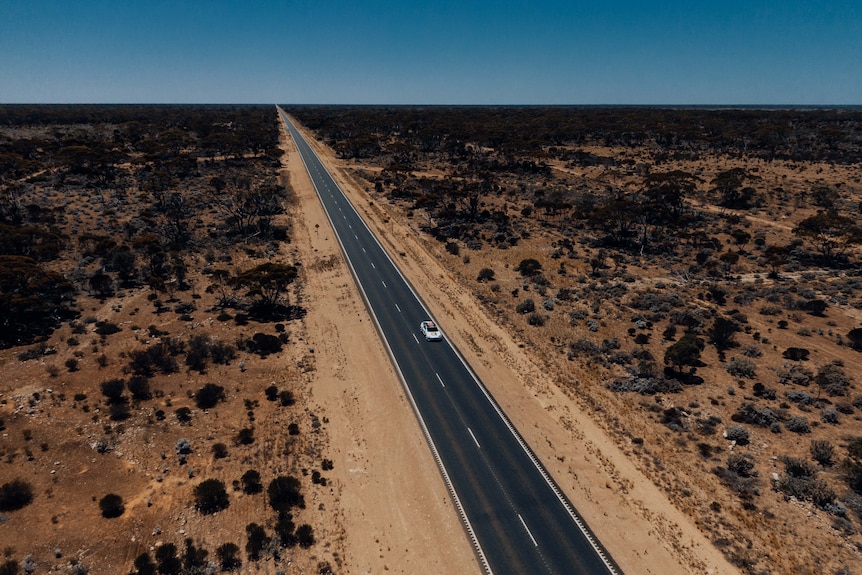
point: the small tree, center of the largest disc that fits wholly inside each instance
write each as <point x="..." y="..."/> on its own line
<point x="284" y="528"/>
<point x="228" y="557"/>
<point x="284" y="494"/>
<point x="111" y="506"/>
<point x="526" y="306"/>
<point x="15" y="495"/>
<point x="209" y="395"/>
<point x="685" y="352"/>
<point x="271" y="392"/>
<point x="286" y="398"/>
<point x="222" y="353"/>
<point x="166" y="557"/>
<point x="113" y="389"/>
<point x="722" y="333"/>
<point x="139" y="387"/>
<point x="796" y="354"/>
<point x="776" y="256"/>
<point x="485" y="275"/>
<point x="211" y="496"/>
<point x="102" y="285"/>
<point x="305" y="535"/>
<point x="816" y="307"/>
<point x="198" y="354"/>
<point x="830" y="233"/>
<point x="529" y="267"/>
<point x="144" y="565"/>
<point x="219" y="450"/>
<point x="267" y="282"/>
<point x="251" y="482"/>
<point x="257" y="540"/>
<point x="184" y="415"/>
<point x="194" y="558"/>
<point x="245" y="436"/>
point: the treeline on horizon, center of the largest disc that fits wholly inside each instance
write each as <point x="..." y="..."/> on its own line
<point x="46" y="114"/>
<point x="93" y="139"/>
<point x="833" y="135"/>
<point x="797" y="134"/>
<point x="151" y="173"/>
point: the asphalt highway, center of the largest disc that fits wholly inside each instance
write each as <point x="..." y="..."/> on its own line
<point x="515" y="515"/>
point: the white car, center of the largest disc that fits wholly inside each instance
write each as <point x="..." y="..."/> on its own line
<point x="430" y="330"/>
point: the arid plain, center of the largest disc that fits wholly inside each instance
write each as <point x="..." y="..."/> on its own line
<point x="679" y="464"/>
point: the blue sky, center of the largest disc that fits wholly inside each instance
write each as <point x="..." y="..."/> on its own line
<point x="757" y="52"/>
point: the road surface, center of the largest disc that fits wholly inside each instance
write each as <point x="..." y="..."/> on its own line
<point x="517" y="518"/>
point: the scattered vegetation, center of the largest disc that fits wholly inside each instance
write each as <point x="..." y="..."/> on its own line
<point x="124" y="230"/>
<point x="624" y="241"/>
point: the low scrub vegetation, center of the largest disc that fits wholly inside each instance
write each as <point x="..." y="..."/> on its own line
<point x="723" y="265"/>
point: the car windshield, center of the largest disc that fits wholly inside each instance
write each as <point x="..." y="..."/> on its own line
<point x="431" y="327"/>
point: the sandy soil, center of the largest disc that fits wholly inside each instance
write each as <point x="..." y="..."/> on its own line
<point x="395" y="511"/>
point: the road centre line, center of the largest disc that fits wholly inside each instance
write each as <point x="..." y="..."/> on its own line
<point x="527" y="529"/>
<point x="480" y="447"/>
<point x="440" y="379"/>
